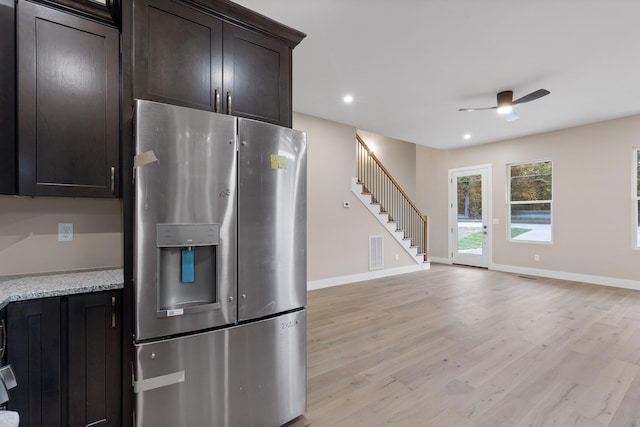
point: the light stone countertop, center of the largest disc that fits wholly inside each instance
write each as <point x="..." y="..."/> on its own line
<point x="20" y="288"/>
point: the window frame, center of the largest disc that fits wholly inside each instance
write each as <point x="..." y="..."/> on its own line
<point x="510" y="203"/>
<point x="635" y="198"/>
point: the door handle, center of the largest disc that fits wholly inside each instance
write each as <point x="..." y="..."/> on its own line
<point x="113" y="312"/>
<point x="3" y="331"/>
<point x="113" y="180"/>
<point x="229" y="109"/>
<point x="217" y="101"/>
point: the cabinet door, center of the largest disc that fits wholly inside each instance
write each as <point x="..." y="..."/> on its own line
<point x="178" y="55"/>
<point x="33" y="350"/>
<point x="257" y="76"/>
<point x="3" y="337"/>
<point x="68" y="112"/>
<point x="94" y="328"/>
<point x="7" y="99"/>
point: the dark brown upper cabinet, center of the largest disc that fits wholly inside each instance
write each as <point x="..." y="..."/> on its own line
<point x="178" y="55"/>
<point x="257" y="76"/>
<point x="7" y="99"/>
<point x="213" y="56"/>
<point x="68" y="104"/>
<point x="107" y="11"/>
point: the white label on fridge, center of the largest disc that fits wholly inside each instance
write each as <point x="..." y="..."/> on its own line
<point x="176" y="312"/>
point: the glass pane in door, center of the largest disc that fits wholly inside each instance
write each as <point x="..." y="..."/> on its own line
<point x="469" y="200"/>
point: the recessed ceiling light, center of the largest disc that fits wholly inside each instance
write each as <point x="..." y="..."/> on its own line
<point x="348" y="99"/>
<point x="467" y="136"/>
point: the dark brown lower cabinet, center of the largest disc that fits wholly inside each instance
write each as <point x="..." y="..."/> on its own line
<point x="65" y="352"/>
<point x="94" y="359"/>
<point x="33" y="350"/>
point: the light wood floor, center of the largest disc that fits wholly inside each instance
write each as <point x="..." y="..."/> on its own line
<point x="457" y="346"/>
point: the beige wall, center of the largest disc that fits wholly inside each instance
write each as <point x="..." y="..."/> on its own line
<point x="592" y="206"/>
<point x="592" y="180"/>
<point x="29" y="234"/>
<point x="431" y="186"/>
<point x="338" y="237"/>
<point x="397" y="156"/>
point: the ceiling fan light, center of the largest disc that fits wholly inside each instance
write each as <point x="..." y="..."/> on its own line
<point x="505" y="109"/>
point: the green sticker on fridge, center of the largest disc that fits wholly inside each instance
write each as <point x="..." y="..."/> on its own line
<point x="278" y="162"/>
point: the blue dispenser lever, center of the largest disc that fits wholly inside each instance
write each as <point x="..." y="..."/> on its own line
<point x="188" y="265"/>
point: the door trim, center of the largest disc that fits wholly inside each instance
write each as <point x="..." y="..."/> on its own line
<point x="486" y="211"/>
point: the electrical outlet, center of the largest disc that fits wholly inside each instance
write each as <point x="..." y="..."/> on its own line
<point x="65" y="232"/>
<point x="536" y="257"/>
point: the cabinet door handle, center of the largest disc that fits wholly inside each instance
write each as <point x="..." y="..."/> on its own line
<point x="217" y="106"/>
<point x="113" y="180"/>
<point x="3" y="330"/>
<point x="113" y="312"/>
<point x="229" y="102"/>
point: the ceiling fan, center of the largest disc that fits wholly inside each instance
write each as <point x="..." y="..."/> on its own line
<point x="506" y="103"/>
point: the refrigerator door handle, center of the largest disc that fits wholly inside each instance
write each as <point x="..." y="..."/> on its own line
<point x="229" y="109"/>
<point x="157" y="382"/>
<point x="113" y="312"/>
<point x="3" y="331"/>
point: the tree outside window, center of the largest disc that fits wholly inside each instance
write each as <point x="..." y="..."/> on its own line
<point x="530" y="200"/>
<point x="470" y="198"/>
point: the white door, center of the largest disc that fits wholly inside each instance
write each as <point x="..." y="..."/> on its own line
<point x="469" y="215"/>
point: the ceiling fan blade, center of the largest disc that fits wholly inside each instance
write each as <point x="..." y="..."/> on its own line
<point x="476" y="109"/>
<point x="512" y="116"/>
<point x="532" y="96"/>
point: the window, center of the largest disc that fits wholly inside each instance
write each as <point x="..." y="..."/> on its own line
<point x="530" y="195"/>
<point x="636" y="197"/>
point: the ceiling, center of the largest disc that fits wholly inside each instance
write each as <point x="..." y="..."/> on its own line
<point x="410" y="64"/>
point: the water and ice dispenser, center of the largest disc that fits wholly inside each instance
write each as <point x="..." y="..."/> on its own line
<point x="187" y="268"/>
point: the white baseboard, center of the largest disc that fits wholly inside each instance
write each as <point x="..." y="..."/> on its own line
<point x="551" y="274"/>
<point x="352" y="278"/>
<point x="440" y="260"/>
<point x="575" y="277"/>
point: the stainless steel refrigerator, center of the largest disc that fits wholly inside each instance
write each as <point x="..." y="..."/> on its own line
<point x="219" y="269"/>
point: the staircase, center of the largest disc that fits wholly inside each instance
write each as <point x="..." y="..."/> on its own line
<point x="386" y="200"/>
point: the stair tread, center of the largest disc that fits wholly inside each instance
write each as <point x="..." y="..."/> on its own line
<point x="387" y="220"/>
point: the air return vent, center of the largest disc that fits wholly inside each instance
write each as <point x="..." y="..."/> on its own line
<point x="376" y="253"/>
